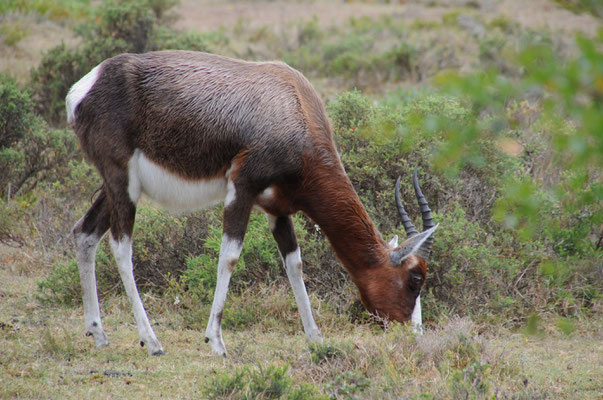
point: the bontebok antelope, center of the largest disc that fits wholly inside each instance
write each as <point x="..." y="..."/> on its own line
<point x="191" y="129"/>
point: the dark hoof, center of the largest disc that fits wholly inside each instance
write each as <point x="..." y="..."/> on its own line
<point x="158" y="353"/>
<point x="206" y="340"/>
<point x="141" y="343"/>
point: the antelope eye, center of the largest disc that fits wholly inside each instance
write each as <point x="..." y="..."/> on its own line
<point x="416" y="278"/>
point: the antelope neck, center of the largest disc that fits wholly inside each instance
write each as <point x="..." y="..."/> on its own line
<point x="334" y="205"/>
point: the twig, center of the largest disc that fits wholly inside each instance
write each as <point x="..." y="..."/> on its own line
<point x="522" y="274"/>
<point x="41" y="240"/>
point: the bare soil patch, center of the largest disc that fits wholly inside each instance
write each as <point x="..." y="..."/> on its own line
<point x="211" y="15"/>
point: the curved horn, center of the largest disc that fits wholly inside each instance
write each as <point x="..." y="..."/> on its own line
<point x="409" y="228"/>
<point x="426" y="215"/>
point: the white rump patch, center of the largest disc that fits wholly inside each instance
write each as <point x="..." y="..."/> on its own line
<point x="169" y="190"/>
<point x="78" y="91"/>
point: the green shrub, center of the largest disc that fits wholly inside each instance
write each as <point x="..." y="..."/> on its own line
<point x="348" y="385"/>
<point x="579" y="6"/>
<point x="350" y="110"/>
<point x="16" y="111"/>
<point x="472" y="382"/>
<point x="271" y="382"/>
<point x="30" y="152"/>
<point x="62" y="286"/>
<point x="352" y="54"/>
<point x="54" y="9"/>
<point x="324" y="352"/>
<point x="12" y="32"/>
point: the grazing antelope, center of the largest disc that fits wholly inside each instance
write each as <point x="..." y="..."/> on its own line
<point x="191" y="129"/>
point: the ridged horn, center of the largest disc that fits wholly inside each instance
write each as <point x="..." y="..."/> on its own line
<point x="409" y="228"/>
<point x="426" y="216"/>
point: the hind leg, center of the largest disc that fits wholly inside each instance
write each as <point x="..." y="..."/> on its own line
<point x="284" y="235"/>
<point x="123" y="212"/>
<point x="88" y="232"/>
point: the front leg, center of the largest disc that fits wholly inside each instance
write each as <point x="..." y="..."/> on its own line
<point x="236" y="216"/>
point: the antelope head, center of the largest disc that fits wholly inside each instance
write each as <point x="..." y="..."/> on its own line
<point x="393" y="292"/>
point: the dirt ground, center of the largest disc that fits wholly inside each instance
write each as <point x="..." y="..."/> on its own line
<point x="210" y="15"/>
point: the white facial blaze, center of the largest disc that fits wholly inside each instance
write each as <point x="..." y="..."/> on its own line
<point x="416" y="319"/>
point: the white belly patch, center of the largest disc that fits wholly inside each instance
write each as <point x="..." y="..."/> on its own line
<point x="169" y="190"/>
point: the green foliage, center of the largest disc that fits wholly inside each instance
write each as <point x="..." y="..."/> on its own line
<point x="16" y="111"/>
<point x="271" y="382"/>
<point x="349" y="111"/>
<point x="62" y="286"/>
<point x="30" y="152"/>
<point x="320" y="352"/>
<point x="593" y="7"/>
<point x="259" y="253"/>
<point x="130" y="21"/>
<point x="12" y="32"/>
<point x="471" y="382"/>
<point x="348" y="385"/>
<point x="478" y="168"/>
<point x="576" y="147"/>
<point x="166" y="38"/>
<point x="200" y="276"/>
<point x="353" y="53"/>
<point x="54" y="9"/>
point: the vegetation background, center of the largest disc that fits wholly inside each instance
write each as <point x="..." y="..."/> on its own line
<point x="497" y="103"/>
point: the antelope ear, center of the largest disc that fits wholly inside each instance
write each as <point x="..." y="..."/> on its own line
<point x="394" y="241"/>
<point x="411" y="246"/>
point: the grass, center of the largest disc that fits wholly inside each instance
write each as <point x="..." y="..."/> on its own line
<point x="12" y="32"/>
<point x="44" y="353"/>
<point x="53" y="9"/>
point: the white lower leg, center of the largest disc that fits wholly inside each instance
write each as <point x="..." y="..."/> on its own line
<point x="86" y="246"/>
<point x="229" y="255"/>
<point x="416" y="319"/>
<point x="293" y="266"/>
<point x="122" y="251"/>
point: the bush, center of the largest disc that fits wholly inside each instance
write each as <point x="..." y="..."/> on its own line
<point x="30" y="152"/>
<point x="271" y="382"/>
<point x="16" y="111"/>
<point x="348" y="385"/>
<point x="352" y="54"/>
